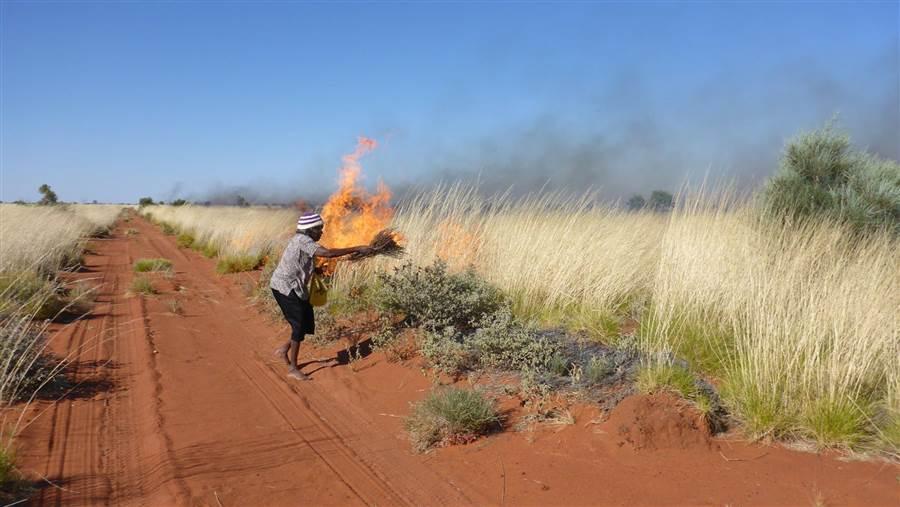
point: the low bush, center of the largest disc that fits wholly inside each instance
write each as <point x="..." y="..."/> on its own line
<point x="450" y="416"/>
<point x="447" y="351"/>
<point x="148" y="265"/>
<point x="237" y="263"/>
<point x="185" y="240"/>
<point x="822" y="175"/>
<point x="433" y="298"/>
<point x="143" y="285"/>
<point x="501" y="342"/>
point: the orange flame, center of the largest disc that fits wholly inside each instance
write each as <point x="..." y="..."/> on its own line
<point x="352" y="215"/>
<point x="456" y="246"/>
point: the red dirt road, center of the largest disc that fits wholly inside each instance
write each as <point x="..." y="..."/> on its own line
<point x="183" y="404"/>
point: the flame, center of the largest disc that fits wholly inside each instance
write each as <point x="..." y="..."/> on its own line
<point x="456" y="246"/>
<point x="352" y="215"/>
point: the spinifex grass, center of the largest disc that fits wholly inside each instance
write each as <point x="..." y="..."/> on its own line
<point x="450" y="415"/>
<point x="148" y="265"/>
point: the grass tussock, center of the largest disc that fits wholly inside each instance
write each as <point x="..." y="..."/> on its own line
<point x="237" y="263"/>
<point x="450" y="416"/>
<point x="185" y="240"/>
<point x="149" y="265"/>
<point x="143" y="285"/>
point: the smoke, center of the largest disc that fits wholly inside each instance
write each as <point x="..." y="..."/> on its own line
<point x="629" y="138"/>
<point x="623" y="141"/>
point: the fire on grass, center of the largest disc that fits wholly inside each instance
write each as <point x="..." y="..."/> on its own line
<point x="354" y="216"/>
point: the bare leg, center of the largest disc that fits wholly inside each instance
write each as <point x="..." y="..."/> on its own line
<point x="282" y="352"/>
<point x="295" y="372"/>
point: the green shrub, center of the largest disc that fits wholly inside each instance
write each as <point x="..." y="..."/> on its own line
<point x="185" y="240"/>
<point x="147" y="265"/>
<point x="596" y="370"/>
<point x="822" y="175"/>
<point x="237" y="263"/>
<point x="143" y="285"/>
<point x="501" y="342"/>
<point x="450" y="416"/>
<point x="448" y="351"/>
<point x="433" y="298"/>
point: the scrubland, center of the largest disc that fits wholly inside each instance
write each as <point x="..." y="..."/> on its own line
<point x="795" y="321"/>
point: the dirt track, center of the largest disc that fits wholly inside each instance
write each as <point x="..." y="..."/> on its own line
<point x="190" y="408"/>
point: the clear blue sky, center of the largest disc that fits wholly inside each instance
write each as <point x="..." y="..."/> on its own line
<point x="116" y="100"/>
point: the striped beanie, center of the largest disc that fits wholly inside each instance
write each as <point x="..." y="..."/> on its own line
<point x="309" y="220"/>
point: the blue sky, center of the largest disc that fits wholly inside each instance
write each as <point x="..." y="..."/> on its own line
<point x="113" y="101"/>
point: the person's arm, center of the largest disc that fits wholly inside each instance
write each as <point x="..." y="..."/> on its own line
<point x="330" y="253"/>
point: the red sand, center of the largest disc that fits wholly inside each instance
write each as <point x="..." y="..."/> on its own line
<point x="192" y="409"/>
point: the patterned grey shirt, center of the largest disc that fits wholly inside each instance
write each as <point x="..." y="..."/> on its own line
<point x="295" y="267"/>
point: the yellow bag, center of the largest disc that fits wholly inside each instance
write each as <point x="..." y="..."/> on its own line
<point x="318" y="291"/>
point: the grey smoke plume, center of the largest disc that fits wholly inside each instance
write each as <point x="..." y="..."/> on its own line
<point x="622" y="143"/>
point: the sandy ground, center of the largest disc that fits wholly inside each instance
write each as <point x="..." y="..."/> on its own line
<point x="189" y="407"/>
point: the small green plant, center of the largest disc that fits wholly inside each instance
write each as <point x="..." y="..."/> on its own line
<point x="12" y="486"/>
<point x="237" y="263"/>
<point x="450" y="416"/>
<point x="143" y="285"/>
<point x="148" y="265"/>
<point x="596" y="370"/>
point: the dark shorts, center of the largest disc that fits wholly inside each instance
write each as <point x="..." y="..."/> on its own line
<point x="299" y="314"/>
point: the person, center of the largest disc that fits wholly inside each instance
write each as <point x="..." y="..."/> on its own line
<point x="290" y="283"/>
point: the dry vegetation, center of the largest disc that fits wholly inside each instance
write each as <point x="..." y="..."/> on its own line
<point x="36" y="242"/>
<point x="797" y="322"/>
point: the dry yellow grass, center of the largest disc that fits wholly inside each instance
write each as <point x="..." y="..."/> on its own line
<point x="43" y="238"/>
<point x="232" y="231"/>
<point x="799" y="323"/>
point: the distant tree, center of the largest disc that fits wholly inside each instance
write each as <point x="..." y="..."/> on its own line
<point x="49" y="196"/>
<point x="145" y="201"/>
<point x="660" y="201"/>
<point x="178" y="202"/>
<point x="19" y="201"/>
<point x="242" y="202"/>
<point x="94" y="202"/>
<point x="636" y="202"/>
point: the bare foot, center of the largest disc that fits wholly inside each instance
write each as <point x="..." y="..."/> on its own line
<point x="297" y="374"/>
<point x="282" y="352"/>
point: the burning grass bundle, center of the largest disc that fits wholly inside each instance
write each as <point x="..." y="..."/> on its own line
<point x="384" y="243"/>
